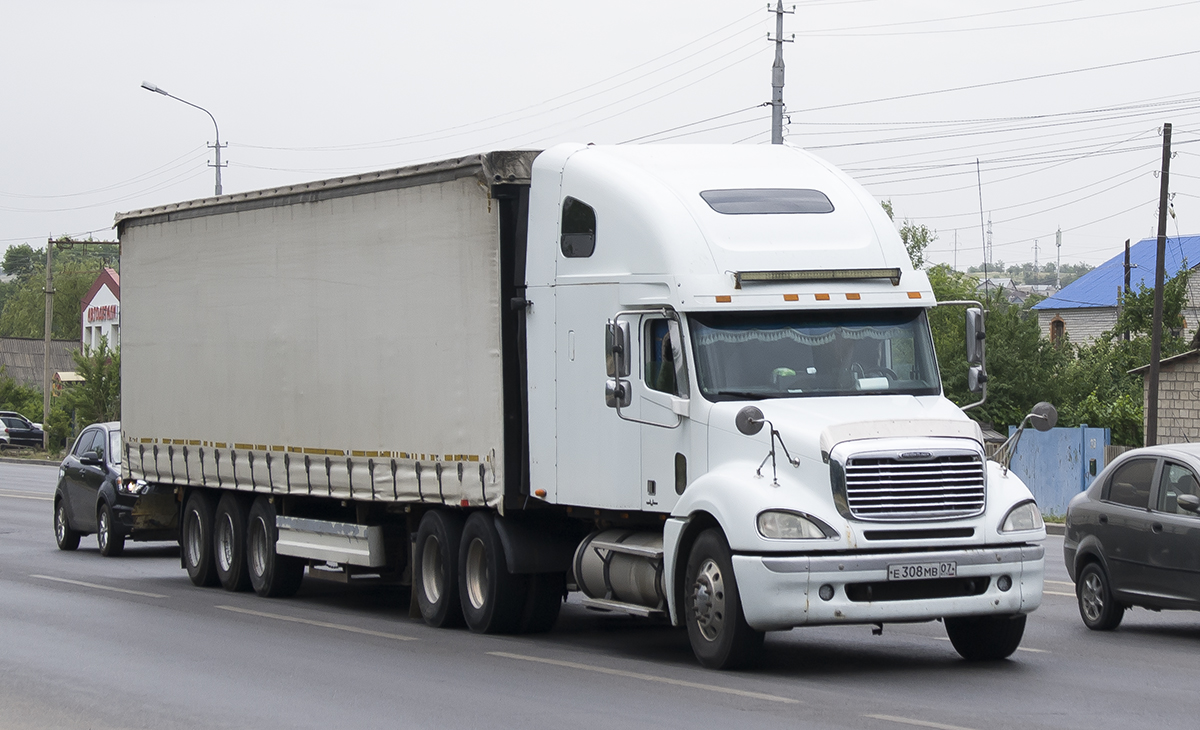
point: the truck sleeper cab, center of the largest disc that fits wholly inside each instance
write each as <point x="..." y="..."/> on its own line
<point x="694" y="382"/>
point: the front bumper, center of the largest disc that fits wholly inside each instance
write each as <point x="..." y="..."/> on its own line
<point x="151" y="513"/>
<point x="780" y="592"/>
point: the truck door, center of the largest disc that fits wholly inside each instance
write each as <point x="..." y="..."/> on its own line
<point x="668" y="461"/>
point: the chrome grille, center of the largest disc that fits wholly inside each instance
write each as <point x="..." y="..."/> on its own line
<point x="880" y="487"/>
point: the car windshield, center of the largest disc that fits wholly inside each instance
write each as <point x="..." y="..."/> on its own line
<point x="752" y="355"/>
<point x="114" y="447"/>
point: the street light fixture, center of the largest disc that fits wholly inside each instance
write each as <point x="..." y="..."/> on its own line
<point x="151" y="87"/>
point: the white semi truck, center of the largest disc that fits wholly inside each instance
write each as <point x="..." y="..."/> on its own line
<point x="692" y="382"/>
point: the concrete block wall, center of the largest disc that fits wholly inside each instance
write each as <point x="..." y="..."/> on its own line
<point x="1178" y="402"/>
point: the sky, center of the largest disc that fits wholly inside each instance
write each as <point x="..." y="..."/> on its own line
<point x="1039" y="116"/>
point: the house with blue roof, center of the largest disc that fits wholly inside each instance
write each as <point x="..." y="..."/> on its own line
<point x="1087" y="307"/>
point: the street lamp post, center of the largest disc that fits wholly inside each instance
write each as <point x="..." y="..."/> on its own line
<point x="151" y="87"/>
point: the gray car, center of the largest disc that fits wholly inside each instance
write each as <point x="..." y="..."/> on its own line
<point x="1133" y="538"/>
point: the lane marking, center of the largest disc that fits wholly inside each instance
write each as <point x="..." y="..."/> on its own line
<point x="1060" y="583"/>
<point x="1058" y="593"/>
<point x="25" y="495"/>
<point x="647" y="677"/>
<point x="322" y="624"/>
<point x="918" y="723"/>
<point x="1019" y="648"/>
<point x="97" y="586"/>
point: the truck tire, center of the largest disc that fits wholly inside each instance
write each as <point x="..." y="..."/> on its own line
<point x="1097" y="607"/>
<point x="716" y="625"/>
<point x="271" y="575"/>
<point x="66" y="538"/>
<point x="543" y="601"/>
<point x="197" y="543"/>
<point x="985" y="638"/>
<point x="109" y="537"/>
<point x="493" y="599"/>
<point x="229" y="543"/>
<point x="435" y="568"/>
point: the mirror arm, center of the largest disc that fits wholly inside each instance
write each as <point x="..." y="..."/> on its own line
<point x="622" y="416"/>
<point x="982" y="350"/>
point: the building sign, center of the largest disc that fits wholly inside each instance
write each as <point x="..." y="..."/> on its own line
<point x="106" y="313"/>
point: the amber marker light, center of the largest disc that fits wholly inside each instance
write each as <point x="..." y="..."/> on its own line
<point x="539" y="492"/>
<point x="822" y="297"/>
<point x="724" y="299"/>
<point x="853" y="297"/>
<point x="914" y="295"/>
<point x="791" y="297"/>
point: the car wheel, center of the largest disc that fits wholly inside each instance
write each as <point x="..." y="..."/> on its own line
<point x="197" y="540"/>
<point x="985" y="638"/>
<point x="229" y="543"/>
<point x="108" y="534"/>
<point x="1097" y="607"/>
<point x="492" y="598"/>
<point x="435" y="568"/>
<point x="271" y="575"/>
<point x="716" y="625"/>
<point x="66" y="538"/>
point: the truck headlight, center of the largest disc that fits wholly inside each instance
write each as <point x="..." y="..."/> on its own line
<point x="1024" y="516"/>
<point x="780" y="525"/>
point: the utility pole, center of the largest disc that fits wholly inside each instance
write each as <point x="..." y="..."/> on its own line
<point x="46" y="348"/>
<point x="1035" y="262"/>
<point x="1159" y="278"/>
<point x="776" y="73"/>
<point x="1127" y="268"/>
<point x="956" y="249"/>
<point x="1058" y="262"/>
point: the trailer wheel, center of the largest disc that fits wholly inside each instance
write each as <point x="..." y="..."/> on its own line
<point x="493" y="599"/>
<point x="542" y="602"/>
<point x="197" y="539"/>
<point x="985" y="638"/>
<point x="109" y="537"/>
<point x="716" y="625"/>
<point x="67" y="538"/>
<point x="435" y="568"/>
<point x="229" y="543"/>
<point x="271" y="575"/>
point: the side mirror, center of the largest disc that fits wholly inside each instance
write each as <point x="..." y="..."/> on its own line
<point x="749" y="420"/>
<point x="90" y="458"/>
<point x="975" y="336"/>
<point x="616" y="349"/>
<point x="617" y="393"/>
<point x="1189" y="502"/>
<point x="1044" y="416"/>
<point x="976" y="378"/>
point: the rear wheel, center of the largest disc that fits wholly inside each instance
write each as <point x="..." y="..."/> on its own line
<point x="229" y="543"/>
<point x="542" y="602"/>
<point x="271" y="575"/>
<point x="985" y="638"/>
<point x="1097" y="607"/>
<point x="493" y="599"/>
<point x="109" y="537"/>
<point x="716" y="625"/>
<point x="435" y="568"/>
<point x="197" y="544"/>
<point x="66" y="538"/>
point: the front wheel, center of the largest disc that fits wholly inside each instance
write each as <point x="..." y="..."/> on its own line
<point x="66" y="538"/>
<point x="716" y="625"/>
<point x="1097" y="607"/>
<point x="109" y="537"/>
<point x="985" y="638"/>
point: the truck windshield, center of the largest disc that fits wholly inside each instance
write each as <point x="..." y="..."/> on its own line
<point x="753" y="355"/>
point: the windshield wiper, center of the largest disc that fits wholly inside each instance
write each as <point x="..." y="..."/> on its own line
<point x="745" y="394"/>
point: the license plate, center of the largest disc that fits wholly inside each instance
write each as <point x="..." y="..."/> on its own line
<point x="919" y="571"/>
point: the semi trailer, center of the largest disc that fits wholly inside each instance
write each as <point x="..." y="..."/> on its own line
<point x="692" y="383"/>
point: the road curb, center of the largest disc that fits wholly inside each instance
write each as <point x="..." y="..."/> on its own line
<point x="39" y="462"/>
<point x="1056" y="528"/>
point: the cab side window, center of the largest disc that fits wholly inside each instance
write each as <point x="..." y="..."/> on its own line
<point x="1176" y="481"/>
<point x="1130" y="483"/>
<point x="660" y="361"/>
<point x="578" y="229"/>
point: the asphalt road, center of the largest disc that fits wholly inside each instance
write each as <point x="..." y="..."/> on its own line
<point x="128" y="642"/>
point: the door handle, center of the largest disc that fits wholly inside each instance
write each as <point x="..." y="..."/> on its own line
<point x="1104" y="519"/>
<point x="1156" y="527"/>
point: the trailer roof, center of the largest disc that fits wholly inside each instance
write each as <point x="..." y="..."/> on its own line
<point x="493" y="168"/>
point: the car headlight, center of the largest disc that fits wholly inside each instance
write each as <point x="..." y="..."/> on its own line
<point x="780" y="525"/>
<point x="132" y="486"/>
<point x="1024" y="516"/>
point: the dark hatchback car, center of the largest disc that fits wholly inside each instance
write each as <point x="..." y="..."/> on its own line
<point x="1133" y="538"/>
<point x="92" y="498"/>
<point x="17" y="430"/>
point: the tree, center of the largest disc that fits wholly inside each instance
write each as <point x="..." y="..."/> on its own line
<point x="916" y="237"/>
<point x="19" y="261"/>
<point x="98" y="397"/>
<point x="24" y="313"/>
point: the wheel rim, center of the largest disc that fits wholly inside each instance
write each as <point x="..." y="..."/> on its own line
<point x="194" y="539"/>
<point x="257" y="545"/>
<point x="1091" y="598"/>
<point x="708" y="599"/>
<point x="431" y="569"/>
<point x="60" y="522"/>
<point x="477" y="573"/>
<point x="225" y="542"/>
<point x="102" y="529"/>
